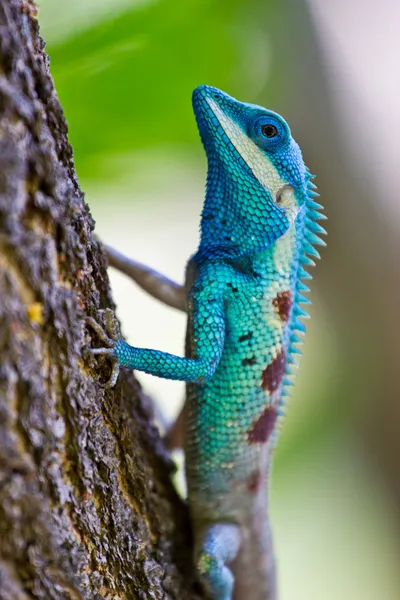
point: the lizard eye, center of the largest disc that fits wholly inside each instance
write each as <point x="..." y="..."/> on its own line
<point x="269" y="130"/>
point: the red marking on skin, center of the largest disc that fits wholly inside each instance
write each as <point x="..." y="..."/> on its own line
<point x="253" y="482"/>
<point x="263" y="427"/>
<point x="273" y="374"/>
<point x="283" y="303"/>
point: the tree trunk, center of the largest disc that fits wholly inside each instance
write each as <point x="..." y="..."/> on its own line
<point x="87" y="509"/>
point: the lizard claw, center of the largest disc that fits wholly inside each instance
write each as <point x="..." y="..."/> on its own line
<point x="114" y="375"/>
<point x="111" y="328"/>
<point x="108" y="336"/>
<point x="111" y="323"/>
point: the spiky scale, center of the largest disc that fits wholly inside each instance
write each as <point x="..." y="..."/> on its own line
<point x="304" y="274"/>
<point x="299" y="325"/>
<point x="295" y="339"/>
<point x="314" y="205"/>
<point x="314" y="239"/>
<point x="299" y="312"/>
<point x="309" y="249"/>
<point x="316" y="228"/>
<point x="302" y="299"/>
<point x="307" y="261"/>
<point x="316" y="216"/>
<point x="292" y="359"/>
<point x="302" y="287"/>
<point x="295" y="350"/>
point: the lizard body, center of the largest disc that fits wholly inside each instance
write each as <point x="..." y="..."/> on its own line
<point x="242" y="295"/>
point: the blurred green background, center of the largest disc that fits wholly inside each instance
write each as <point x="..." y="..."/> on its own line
<point x="124" y="71"/>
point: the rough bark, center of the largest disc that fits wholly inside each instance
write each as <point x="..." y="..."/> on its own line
<point x="87" y="509"/>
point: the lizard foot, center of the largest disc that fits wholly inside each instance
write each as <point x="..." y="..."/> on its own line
<point x="108" y="336"/>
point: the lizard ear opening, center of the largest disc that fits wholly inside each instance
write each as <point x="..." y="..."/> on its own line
<point x="286" y="200"/>
<point x="285" y="196"/>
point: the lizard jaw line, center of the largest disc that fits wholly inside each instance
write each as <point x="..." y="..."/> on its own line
<point x="260" y="165"/>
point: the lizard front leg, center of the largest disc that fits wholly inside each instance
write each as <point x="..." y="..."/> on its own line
<point x="208" y="323"/>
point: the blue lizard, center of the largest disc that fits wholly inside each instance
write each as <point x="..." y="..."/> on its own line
<point x="242" y="295"/>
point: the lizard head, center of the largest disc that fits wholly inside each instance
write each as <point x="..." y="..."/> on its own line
<point x="255" y="167"/>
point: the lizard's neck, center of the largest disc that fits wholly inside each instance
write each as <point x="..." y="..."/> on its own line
<point x="234" y="221"/>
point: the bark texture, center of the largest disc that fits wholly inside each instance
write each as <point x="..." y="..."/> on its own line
<point x="87" y="509"/>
